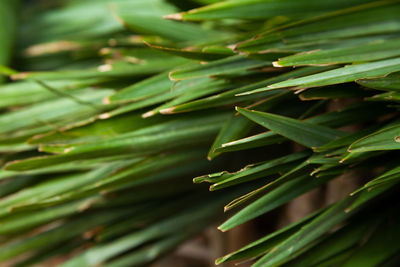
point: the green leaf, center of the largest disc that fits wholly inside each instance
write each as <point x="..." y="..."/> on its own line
<point x="8" y="16"/>
<point x="195" y="54"/>
<point x="260" y="9"/>
<point x="100" y="253"/>
<point x="390" y="176"/>
<point x="378" y="49"/>
<point x="333" y="92"/>
<point x="237" y="127"/>
<point x="379" y="17"/>
<point x="143" y="21"/>
<point x="385" y="139"/>
<point x="119" y="68"/>
<point x="176" y="134"/>
<point x="387" y="234"/>
<point x="262" y="245"/>
<point x="227" y="65"/>
<point x="235" y="96"/>
<point x="59" y="234"/>
<point x="343" y="239"/>
<point x="258" y="140"/>
<point x="305" y="133"/>
<point x="387" y="83"/>
<point x="16" y="223"/>
<point x="22" y="93"/>
<point x="306" y="235"/>
<point x="54" y="110"/>
<point x="345" y="74"/>
<point x="260" y="170"/>
<point x="144" y="89"/>
<point x="233" y="128"/>
<point x="273" y="199"/>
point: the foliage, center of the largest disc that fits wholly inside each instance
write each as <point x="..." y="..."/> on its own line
<point x="113" y="108"/>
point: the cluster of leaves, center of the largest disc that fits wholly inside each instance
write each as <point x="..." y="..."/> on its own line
<point x="118" y="107"/>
